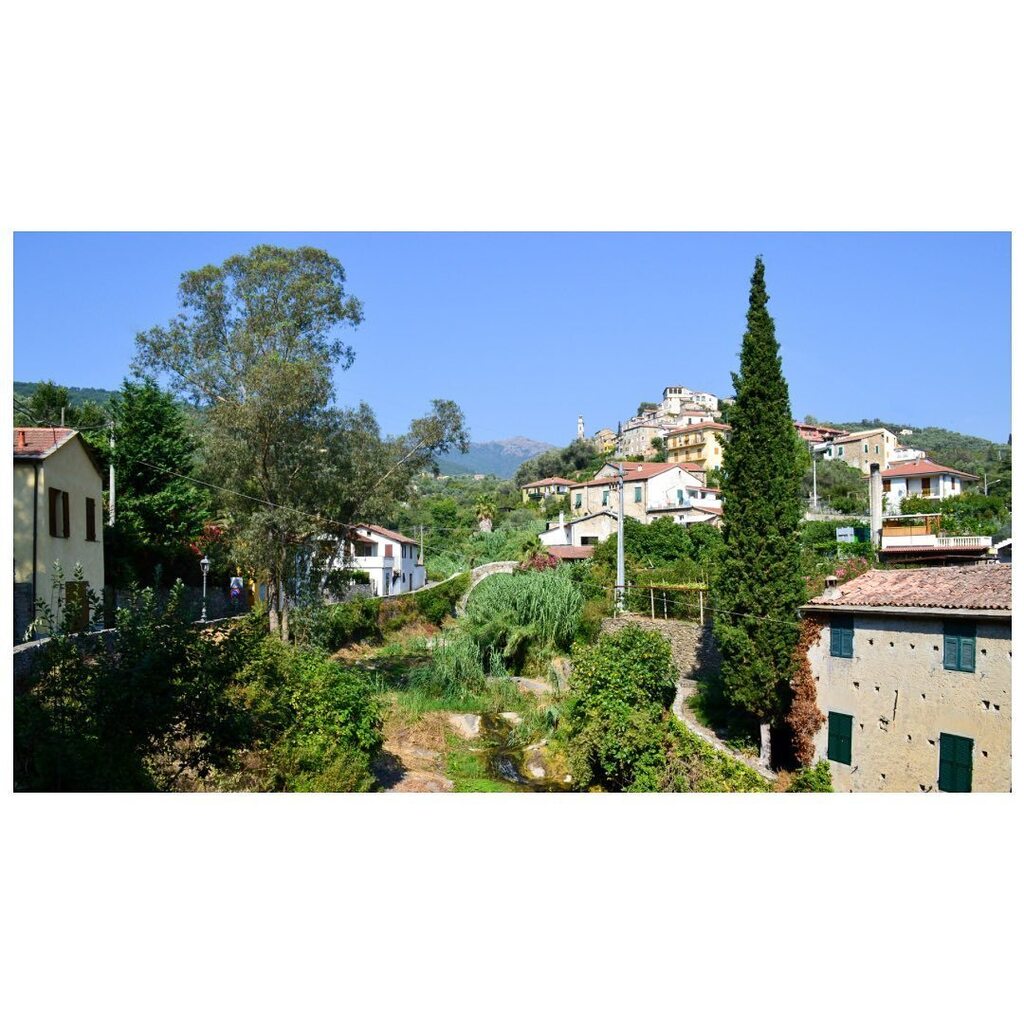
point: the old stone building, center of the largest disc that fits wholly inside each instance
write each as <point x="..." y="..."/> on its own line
<point x="912" y="672"/>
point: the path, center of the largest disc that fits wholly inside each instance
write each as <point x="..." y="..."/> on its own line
<point x="684" y="689"/>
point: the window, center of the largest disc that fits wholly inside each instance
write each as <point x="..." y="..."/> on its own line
<point x="958" y="641"/>
<point x="90" y="518"/>
<point x="679" y="496"/>
<point x="842" y="636"/>
<point x="841" y="450"/>
<point x="638" y="494"/>
<point x="955" y="763"/>
<point x="840" y="737"/>
<point x="364" y="549"/>
<point x="604" y="497"/>
<point x="876" y="449"/>
<point x="579" y="500"/>
<point x="865" y="449"/>
<point x="60" y="513"/>
<point x="886" y="485"/>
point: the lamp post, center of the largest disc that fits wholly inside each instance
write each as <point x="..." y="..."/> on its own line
<point x="204" y="564"/>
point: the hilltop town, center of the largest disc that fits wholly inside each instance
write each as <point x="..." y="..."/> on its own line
<point x="331" y="611"/>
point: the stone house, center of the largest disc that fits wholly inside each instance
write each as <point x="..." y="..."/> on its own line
<point x="912" y="673"/>
<point x="583" y="532"/>
<point x="58" y="517"/>
<point x="863" y="447"/>
<point x="549" y="487"/>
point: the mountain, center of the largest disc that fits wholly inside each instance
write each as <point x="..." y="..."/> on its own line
<point x="76" y="396"/>
<point x="497" y="458"/>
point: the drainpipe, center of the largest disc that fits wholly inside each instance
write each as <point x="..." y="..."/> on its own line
<point x="875" y="496"/>
<point x="35" y="533"/>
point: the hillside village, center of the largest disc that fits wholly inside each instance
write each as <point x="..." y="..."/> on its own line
<point x="461" y="629"/>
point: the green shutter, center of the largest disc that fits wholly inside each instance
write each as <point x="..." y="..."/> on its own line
<point x="847" y="643"/>
<point x="956" y="755"/>
<point x="840" y="737"/>
<point x="836" y="650"/>
<point x="967" y="654"/>
<point x="950" y="646"/>
<point x="637" y="493"/>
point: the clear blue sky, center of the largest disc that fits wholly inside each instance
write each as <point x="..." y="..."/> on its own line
<point x="526" y="331"/>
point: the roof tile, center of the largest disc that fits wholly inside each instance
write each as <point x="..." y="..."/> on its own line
<point x="958" y="586"/>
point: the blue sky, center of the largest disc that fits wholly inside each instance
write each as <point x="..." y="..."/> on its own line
<point x="526" y="331"/>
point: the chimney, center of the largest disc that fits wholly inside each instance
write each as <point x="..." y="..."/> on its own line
<point x="831" y="586"/>
<point x="561" y="520"/>
<point x="22" y="443"/>
<point x="875" y="497"/>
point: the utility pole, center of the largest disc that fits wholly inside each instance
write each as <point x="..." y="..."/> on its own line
<point x="620" y="567"/>
<point x="110" y="520"/>
<point x="421" y="544"/>
<point x="814" y="477"/>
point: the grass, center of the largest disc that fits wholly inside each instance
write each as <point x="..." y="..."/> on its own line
<point x="468" y="770"/>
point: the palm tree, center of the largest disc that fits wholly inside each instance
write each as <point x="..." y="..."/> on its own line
<point x="485" y="513"/>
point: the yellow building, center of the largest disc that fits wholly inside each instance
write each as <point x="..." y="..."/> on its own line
<point x="549" y="487"/>
<point x="699" y="443"/>
<point x="58" y="517"/>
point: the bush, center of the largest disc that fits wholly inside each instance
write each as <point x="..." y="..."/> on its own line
<point x="694" y="766"/>
<point x="330" y="627"/>
<point x="812" y="780"/>
<point x="614" y="719"/>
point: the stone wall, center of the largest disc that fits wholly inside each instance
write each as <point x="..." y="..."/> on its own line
<point x="693" y="646"/>
<point x="901" y="699"/>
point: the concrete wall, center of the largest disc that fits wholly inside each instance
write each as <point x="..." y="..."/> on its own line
<point x="901" y="698"/>
<point x="693" y="646"/>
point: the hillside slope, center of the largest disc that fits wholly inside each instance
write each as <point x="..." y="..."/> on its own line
<point x="495" y="458"/>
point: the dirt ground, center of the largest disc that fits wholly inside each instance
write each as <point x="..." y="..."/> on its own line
<point x="413" y="760"/>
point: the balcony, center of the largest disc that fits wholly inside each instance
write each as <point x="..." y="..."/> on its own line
<point x="905" y="538"/>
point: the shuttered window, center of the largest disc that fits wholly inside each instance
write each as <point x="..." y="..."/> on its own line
<point x="604" y="497"/>
<point x="840" y="737"/>
<point x="637" y="493"/>
<point x="842" y="636"/>
<point x="90" y="518"/>
<point x="579" y="500"/>
<point x="54" y="518"/>
<point x="65" y="501"/>
<point x="956" y="757"/>
<point x="958" y="644"/>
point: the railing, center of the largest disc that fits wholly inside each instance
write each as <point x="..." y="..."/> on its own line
<point x="920" y="539"/>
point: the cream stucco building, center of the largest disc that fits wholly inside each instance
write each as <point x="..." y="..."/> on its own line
<point x="58" y="517"/>
<point x="701" y="444"/>
<point x="912" y="673"/>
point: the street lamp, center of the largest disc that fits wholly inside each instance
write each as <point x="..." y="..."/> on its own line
<point x="204" y="564"/>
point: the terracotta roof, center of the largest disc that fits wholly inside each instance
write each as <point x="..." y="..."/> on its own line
<point x="548" y="480"/>
<point x="958" y="586"/>
<point x="393" y="534"/>
<point x="698" y="426"/>
<point x="923" y="467"/>
<point x="38" y="442"/>
<point x="634" y="476"/>
<point x="862" y="433"/>
<point x="571" y="551"/>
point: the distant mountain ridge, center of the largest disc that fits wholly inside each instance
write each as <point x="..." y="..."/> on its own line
<point x="76" y="396"/>
<point x="494" y="458"/>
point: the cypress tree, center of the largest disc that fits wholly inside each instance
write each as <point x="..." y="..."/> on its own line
<point x="760" y="586"/>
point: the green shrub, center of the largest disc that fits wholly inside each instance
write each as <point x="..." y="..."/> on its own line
<point x="437" y="603"/>
<point x="455" y="671"/>
<point x="333" y="626"/>
<point x="694" y="766"/>
<point x="817" y="779"/>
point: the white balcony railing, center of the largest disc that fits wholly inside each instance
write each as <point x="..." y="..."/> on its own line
<point x="934" y="540"/>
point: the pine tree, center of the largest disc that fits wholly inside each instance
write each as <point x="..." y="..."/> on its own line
<point x="760" y="587"/>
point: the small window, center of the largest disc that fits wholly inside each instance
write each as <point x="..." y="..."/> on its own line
<point x="60" y="513"/>
<point x="840" y="737"/>
<point x="842" y="636"/>
<point x="679" y="496"/>
<point x="579" y="500"/>
<point x="958" y="643"/>
<point x="841" y="449"/>
<point x="956" y="756"/>
<point x="604" y="497"/>
<point x="887" y="485"/>
<point x="865" y="449"/>
<point x="638" y="494"/>
<point x="90" y="518"/>
<point x="876" y="449"/>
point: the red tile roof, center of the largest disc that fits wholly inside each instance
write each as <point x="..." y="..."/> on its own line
<point x="958" y="586"/>
<point x="38" y="442"/>
<point x="633" y="476"/>
<point x="571" y="551"/>
<point x="393" y="534"/>
<point x="922" y="467"/>
<point x="549" y="480"/>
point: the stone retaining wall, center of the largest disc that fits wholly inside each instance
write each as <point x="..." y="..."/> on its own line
<point x="693" y="646"/>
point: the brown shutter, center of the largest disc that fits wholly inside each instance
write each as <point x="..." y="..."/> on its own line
<point x="53" y="494"/>
<point x="90" y="518"/>
<point x="66" y="510"/>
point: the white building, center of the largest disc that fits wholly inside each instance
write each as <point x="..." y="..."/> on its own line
<point x="676" y="397"/>
<point x="390" y="559"/>
<point x="652" y="491"/>
<point x="921" y="479"/>
<point x="903" y="455"/>
<point x="583" y="532"/>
